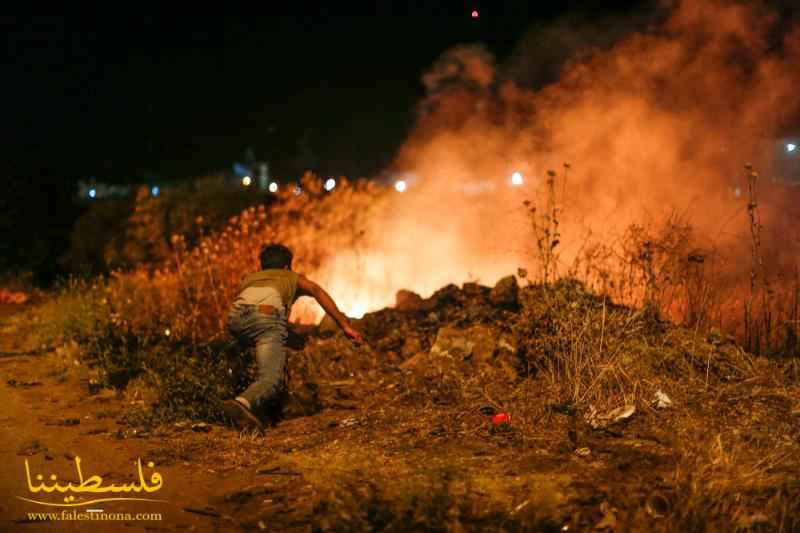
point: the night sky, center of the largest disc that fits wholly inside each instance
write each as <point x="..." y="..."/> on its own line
<point x="142" y="96"/>
<point x="177" y="95"/>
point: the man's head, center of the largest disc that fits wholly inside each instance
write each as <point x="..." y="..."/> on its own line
<point x="276" y="256"/>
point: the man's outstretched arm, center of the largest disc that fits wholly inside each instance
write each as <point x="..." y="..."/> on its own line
<point x="310" y="288"/>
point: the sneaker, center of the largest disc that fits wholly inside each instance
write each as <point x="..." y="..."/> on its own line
<point x="241" y="416"/>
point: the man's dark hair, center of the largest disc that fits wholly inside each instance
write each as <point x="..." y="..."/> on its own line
<point x="276" y="256"/>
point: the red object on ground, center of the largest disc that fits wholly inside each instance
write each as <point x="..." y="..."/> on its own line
<point x="501" y="418"/>
<point x="8" y="297"/>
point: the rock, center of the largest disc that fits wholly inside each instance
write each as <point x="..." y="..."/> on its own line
<point x="411" y="346"/>
<point x="484" y="341"/>
<point x="505" y="293"/>
<point x="413" y="361"/>
<point x="476" y="344"/>
<point x="390" y="343"/>
<point x="449" y="294"/>
<point x="452" y="342"/>
<point x="472" y="289"/>
<point x="408" y="301"/>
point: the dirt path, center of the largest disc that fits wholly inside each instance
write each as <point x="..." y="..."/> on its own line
<point x="48" y="420"/>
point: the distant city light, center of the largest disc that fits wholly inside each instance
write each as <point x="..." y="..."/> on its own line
<point x="400" y="185"/>
<point x="92" y="193"/>
<point x="516" y="178"/>
<point x="273" y="187"/>
<point x="298" y="190"/>
<point x="246" y="181"/>
<point x="155" y="191"/>
<point x="791" y="147"/>
<point x="330" y="183"/>
<point x="475" y="13"/>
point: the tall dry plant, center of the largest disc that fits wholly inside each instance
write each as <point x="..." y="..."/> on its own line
<point x="545" y="226"/>
<point x="758" y="309"/>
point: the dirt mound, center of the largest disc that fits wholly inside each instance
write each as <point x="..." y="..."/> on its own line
<point x="454" y="345"/>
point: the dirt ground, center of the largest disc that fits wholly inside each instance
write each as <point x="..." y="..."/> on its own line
<point x="376" y="461"/>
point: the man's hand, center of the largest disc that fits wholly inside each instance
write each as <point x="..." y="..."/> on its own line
<point x="353" y="334"/>
<point x="306" y="287"/>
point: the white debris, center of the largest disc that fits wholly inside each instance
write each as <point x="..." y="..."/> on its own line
<point x="621" y="413"/>
<point x="599" y="421"/>
<point x="661" y="400"/>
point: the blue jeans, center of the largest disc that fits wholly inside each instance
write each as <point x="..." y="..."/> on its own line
<point x="268" y="334"/>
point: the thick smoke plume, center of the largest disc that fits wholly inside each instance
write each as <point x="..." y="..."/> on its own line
<point x="658" y="124"/>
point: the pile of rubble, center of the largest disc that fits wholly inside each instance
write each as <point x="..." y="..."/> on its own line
<point x="421" y="345"/>
<point x="449" y="347"/>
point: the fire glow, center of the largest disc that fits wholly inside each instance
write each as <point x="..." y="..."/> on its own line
<point x="641" y="125"/>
